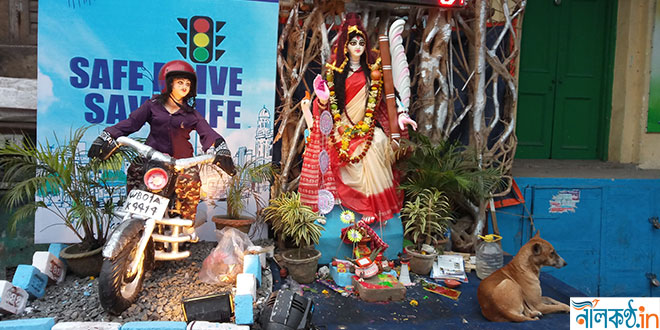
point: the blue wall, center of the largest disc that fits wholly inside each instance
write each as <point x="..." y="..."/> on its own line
<point x="599" y="226"/>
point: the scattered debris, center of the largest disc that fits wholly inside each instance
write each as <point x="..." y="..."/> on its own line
<point x="441" y="290"/>
<point x="324" y="272"/>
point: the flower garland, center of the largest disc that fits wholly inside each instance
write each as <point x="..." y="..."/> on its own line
<point x="364" y="127"/>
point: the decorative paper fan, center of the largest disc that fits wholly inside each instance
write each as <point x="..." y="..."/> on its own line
<point x="324" y="161"/>
<point x="326" y="122"/>
<point x="326" y="201"/>
<point x="400" y="71"/>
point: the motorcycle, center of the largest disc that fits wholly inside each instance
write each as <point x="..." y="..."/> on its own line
<point x="146" y="233"/>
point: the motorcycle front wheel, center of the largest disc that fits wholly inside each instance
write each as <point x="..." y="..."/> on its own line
<point x="118" y="287"/>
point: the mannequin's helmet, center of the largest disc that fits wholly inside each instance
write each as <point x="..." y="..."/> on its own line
<point x="178" y="69"/>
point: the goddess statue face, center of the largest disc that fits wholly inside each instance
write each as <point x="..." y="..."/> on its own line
<point x="356" y="47"/>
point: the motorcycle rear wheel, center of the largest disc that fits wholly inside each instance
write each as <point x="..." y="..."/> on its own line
<point x="118" y="290"/>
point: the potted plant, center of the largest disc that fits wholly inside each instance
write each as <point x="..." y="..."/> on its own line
<point x="453" y="169"/>
<point x="46" y="175"/>
<point x="425" y="219"/>
<point x="245" y="184"/>
<point x="292" y="220"/>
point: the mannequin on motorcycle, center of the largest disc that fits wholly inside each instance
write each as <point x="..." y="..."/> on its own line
<point x="171" y="116"/>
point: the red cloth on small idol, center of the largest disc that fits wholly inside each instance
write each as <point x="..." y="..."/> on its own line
<point x="311" y="178"/>
<point x="375" y="239"/>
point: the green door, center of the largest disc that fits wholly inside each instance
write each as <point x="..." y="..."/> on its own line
<point x="563" y="82"/>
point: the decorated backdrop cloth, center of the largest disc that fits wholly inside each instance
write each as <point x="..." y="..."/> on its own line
<point x="101" y="62"/>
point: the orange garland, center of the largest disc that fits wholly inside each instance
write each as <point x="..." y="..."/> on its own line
<point x="362" y="128"/>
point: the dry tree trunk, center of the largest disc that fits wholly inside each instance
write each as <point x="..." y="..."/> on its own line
<point x="301" y="51"/>
<point x="433" y="63"/>
<point x="479" y="133"/>
<point x="490" y="117"/>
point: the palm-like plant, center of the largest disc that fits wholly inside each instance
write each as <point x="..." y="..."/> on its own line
<point x="244" y="185"/>
<point x="45" y="176"/>
<point x="293" y="220"/>
<point x="449" y="167"/>
<point x="426" y="217"/>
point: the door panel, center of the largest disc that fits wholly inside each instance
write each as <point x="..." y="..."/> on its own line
<point x="538" y="65"/>
<point x="563" y="50"/>
<point x="572" y="234"/>
<point x="654" y="244"/>
<point x="626" y="256"/>
<point x="580" y="72"/>
<point x="538" y="124"/>
<point x="575" y="140"/>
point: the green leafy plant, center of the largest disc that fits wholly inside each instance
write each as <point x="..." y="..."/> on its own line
<point x="244" y="185"/>
<point x="46" y="175"/>
<point x="291" y="219"/>
<point x="426" y="217"/>
<point x="449" y="167"/>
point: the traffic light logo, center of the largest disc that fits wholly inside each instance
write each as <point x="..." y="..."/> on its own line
<point x="201" y="39"/>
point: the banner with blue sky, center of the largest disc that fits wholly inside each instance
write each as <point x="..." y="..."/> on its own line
<point x="99" y="60"/>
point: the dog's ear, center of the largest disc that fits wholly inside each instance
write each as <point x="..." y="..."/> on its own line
<point x="536" y="249"/>
<point x="538" y="234"/>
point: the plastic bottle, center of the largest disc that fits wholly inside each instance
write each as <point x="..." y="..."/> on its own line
<point x="489" y="255"/>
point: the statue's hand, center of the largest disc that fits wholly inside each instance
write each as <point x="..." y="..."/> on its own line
<point x="321" y="89"/>
<point x="307" y="112"/>
<point x="404" y="119"/>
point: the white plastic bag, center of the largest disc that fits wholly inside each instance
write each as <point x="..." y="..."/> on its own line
<point x="214" y="182"/>
<point x="225" y="262"/>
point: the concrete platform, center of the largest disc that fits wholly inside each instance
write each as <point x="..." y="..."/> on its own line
<point x="589" y="169"/>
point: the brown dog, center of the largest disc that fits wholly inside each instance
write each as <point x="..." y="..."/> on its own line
<point x="513" y="292"/>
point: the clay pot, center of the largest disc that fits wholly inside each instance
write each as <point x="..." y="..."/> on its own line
<point x="243" y="223"/>
<point x="83" y="263"/>
<point x="302" y="267"/>
<point x="420" y="264"/>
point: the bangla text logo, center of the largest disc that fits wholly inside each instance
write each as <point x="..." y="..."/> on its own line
<point x="586" y="315"/>
<point x="200" y="39"/>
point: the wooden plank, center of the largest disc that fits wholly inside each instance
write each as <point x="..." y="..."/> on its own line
<point x="14" y="18"/>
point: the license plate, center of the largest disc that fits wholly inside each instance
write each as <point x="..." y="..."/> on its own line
<point x="146" y="204"/>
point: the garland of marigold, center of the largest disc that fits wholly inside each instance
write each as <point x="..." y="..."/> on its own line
<point x="364" y="127"/>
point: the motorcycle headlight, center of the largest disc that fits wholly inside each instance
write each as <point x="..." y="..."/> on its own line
<point x="155" y="179"/>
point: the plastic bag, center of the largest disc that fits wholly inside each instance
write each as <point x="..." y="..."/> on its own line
<point x="225" y="262"/>
<point x="214" y="182"/>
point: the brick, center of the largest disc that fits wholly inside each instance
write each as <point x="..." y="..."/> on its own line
<point x="261" y="252"/>
<point x="56" y="248"/>
<point x="246" y="284"/>
<point x="87" y="326"/>
<point x="243" y="309"/>
<point x="28" y="324"/>
<point x="30" y="279"/>
<point x="205" y="325"/>
<point x="155" y="325"/>
<point x="50" y="265"/>
<point x="374" y="290"/>
<point x="252" y="265"/>
<point x="341" y="278"/>
<point x="12" y="298"/>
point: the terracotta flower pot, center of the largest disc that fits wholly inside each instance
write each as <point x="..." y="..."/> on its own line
<point x="420" y="263"/>
<point x="83" y="263"/>
<point x="303" y="268"/>
<point x="243" y="223"/>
